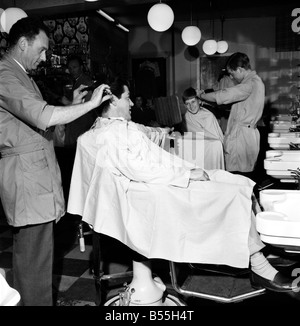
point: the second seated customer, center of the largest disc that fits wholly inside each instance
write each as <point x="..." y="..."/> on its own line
<point x="199" y="119"/>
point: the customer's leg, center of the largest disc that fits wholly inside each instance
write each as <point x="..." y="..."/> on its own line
<point x="33" y="263"/>
<point x="259" y="264"/>
<point x="263" y="274"/>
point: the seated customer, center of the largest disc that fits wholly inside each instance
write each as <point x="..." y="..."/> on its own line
<point x="198" y="119"/>
<point x="127" y="187"/>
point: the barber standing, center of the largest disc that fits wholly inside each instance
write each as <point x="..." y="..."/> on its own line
<point x="30" y="180"/>
<point x="242" y="138"/>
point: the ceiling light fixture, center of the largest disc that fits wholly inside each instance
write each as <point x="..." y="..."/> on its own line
<point x="105" y="15"/>
<point x="222" y="46"/>
<point x="1" y="28"/>
<point x="9" y="17"/>
<point x="210" y="46"/>
<point x="109" y="18"/>
<point x="160" y="17"/>
<point x="122" y="27"/>
<point x="191" y="35"/>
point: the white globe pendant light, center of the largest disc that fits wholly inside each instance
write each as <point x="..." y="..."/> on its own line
<point x="210" y="47"/>
<point x="11" y="16"/>
<point x="191" y="35"/>
<point x="160" y="17"/>
<point x="222" y="46"/>
<point x="1" y="12"/>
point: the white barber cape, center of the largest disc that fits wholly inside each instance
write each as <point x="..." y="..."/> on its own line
<point x="212" y="145"/>
<point x="127" y="187"/>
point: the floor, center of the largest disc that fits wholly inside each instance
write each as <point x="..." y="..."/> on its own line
<point x="73" y="282"/>
<point x="74" y="285"/>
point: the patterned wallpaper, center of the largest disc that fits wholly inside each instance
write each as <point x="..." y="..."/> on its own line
<point x="67" y="35"/>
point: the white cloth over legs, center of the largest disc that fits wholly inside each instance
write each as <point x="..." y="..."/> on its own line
<point x="128" y="188"/>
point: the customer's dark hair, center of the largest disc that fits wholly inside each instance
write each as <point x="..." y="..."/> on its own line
<point x="237" y="60"/>
<point x="188" y="93"/>
<point x="117" y="89"/>
<point x="117" y="86"/>
<point x="28" y="27"/>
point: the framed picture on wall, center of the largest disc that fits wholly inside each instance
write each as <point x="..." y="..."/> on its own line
<point x="149" y="77"/>
<point x="210" y="70"/>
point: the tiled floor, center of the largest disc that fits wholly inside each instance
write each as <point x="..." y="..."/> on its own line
<point x="74" y="284"/>
<point x="73" y="281"/>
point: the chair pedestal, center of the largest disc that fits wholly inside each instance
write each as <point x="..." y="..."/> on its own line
<point x="145" y="290"/>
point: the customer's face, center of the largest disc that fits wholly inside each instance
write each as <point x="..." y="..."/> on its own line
<point x="34" y="52"/>
<point x="192" y="105"/>
<point x="124" y="104"/>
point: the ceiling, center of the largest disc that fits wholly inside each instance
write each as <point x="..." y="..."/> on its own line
<point x="134" y="12"/>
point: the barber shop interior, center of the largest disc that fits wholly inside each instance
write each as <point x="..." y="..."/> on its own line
<point x="150" y="153"/>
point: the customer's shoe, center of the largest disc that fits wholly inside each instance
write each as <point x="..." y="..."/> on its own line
<point x="277" y="261"/>
<point x="280" y="283"/>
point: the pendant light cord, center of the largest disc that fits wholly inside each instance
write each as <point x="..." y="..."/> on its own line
<point x="222" y="22"/>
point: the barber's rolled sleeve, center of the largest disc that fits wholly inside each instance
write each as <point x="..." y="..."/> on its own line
<point x="236" y="93"/>
<point x="45" y="116"/>
<point x="224" y="96"/>
<point x="27" y="105"/>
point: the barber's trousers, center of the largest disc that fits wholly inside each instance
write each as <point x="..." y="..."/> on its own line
<point x="33" y="263"/>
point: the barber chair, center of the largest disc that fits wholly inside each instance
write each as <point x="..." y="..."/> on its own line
<point x="140" y="287"/>
<point x="279" y="222"/>
<point x="219" y="283"/>
<point x="145" y="290"/>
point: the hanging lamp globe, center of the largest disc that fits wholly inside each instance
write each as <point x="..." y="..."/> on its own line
<point x="222" y="46"/>
<point x="1" y="12"/>
<point x="191" y="35"/>
<point x="11" y="16"/>
<point x="210" y="47"/>
<point x="160" y="17"/>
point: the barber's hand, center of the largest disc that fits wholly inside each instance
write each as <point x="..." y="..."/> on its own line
<point x="199" y="175"/>
<point x="199" y="92"/>
<point x="79" y="95"/>
<point x="101" y="94"/>
<point x="167" y="130"/>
